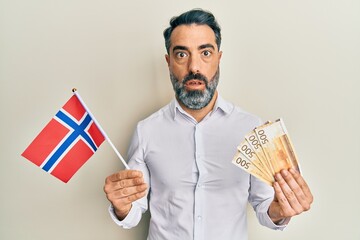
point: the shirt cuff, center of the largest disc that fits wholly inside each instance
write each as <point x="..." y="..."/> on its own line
<point x="131" y="220"/>
<point x="280" y="225"/>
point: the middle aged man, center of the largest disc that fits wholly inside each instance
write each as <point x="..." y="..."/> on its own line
<point x="182" y="153"/>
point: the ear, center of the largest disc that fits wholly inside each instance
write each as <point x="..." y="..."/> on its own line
<point x="167" y="58"/>
<point x="220" y="55"/>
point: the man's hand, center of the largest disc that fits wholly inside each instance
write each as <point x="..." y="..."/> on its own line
<point x="292" y="195"/>
<point x="123" y="188"/>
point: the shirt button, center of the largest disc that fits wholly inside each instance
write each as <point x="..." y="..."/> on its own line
<point x="199" y="218"/>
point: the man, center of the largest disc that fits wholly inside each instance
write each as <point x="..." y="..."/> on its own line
<point x="181" y="155"/>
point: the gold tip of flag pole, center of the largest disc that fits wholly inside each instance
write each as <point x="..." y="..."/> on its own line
<point x="74" y="90"/>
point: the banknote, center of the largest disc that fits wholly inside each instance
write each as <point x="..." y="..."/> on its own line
<point x="246" y="149"/>
<point x="266" y="150"/>
<point x="257" y="147"/>
<point x="242" y="162"/>
<point x="277" y="146"/>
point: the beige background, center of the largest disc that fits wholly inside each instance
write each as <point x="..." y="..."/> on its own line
<point x="299" y="60"/>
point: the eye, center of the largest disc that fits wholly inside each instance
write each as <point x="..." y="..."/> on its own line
<point x="180" y="54"/>
<point x="207" y="53"/>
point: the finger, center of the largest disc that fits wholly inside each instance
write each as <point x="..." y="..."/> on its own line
<point x="303" y="185"/>
<point x="296" y="190"/>
<point x="292" y="183"/>
<point x="301" y="190"/>
<point x="115" y="182"/>
<point x="122" y="205"/>
<point x="285" y="208"/>
<point x="127" y="195"/>
<point x="130" y="199"/>
<point x="128" y="191"/>
<point x="288" y="193"/>
<point x="131" y="182"/>
<point x="125" y="174"/>
<point x="114" y="186"/>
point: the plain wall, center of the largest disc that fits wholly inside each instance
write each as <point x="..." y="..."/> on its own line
<point x="299" y="60"/>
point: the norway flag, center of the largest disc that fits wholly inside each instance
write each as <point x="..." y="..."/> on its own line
<point x="66" y="142"/>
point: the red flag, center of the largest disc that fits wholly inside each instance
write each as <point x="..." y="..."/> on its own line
<point x="67" y="141"/>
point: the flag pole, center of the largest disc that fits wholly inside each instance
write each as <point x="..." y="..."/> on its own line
<point x="100" y="128"/>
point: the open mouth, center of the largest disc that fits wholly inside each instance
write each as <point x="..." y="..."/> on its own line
<point x="194" y="83"/>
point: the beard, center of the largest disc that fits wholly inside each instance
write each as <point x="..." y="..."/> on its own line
<point x="195" y="99"/>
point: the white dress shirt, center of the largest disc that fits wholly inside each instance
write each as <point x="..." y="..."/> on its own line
<point x="195" y="190"/>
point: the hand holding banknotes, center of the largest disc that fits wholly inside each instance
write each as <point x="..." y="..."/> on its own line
<point x="268" y="154"/>
<point x="292" y="195"/>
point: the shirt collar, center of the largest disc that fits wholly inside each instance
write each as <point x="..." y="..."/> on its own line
<point x="220" y="104"/>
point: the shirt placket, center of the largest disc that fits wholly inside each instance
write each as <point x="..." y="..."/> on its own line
<point x="199" y="188"/>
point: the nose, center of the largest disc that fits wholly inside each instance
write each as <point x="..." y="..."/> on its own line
<point x="194" y="64"/>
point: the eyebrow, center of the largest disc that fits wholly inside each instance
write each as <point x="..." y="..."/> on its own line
<point x="180" y="48"/>
<point x="207" y="45"/>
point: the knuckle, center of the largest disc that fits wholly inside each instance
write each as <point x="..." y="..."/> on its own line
<point x="105" y="189"/>
<point x="138" y="181"/>
<point x="280" y="180"/>
<point x="131" y="198"/>
<point x="107" y="180"/>
<point x="141" y="194"/>
<point x="298" y="211"/>
<point x="136" y="173"/>
<point x="125" y="191"/>
<point x="306" y="207"/>
<point x="283" y="214"/>
<point x="296" y="188"/>
<point x="282" y="200"/>
<point x="110" y="198"/>
<point x="288" y="177"/>
<point x="121" y="184"/>
<point x="140" y="188"/>
<point x="290" y="195"/>
<point x="295" y="174"/>
<point x="132" y="173"/>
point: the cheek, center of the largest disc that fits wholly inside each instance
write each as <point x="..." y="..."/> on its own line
<point x="178" y="70"/>
<point x="211" y="70"/>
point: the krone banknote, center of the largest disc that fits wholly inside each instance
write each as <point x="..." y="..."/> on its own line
<point x="242" y="162"/>
<point x="277" y="146"/>
<point x="256" y="146"/>
<point x="249" y="153"/>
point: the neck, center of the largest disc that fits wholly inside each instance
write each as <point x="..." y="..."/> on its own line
<point x="200" y="113"/>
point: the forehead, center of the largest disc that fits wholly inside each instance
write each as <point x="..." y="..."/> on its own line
<point x="192" y="36"/>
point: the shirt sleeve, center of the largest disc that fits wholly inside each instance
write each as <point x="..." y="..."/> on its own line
<point x="131" y="220"/>
<point x="260" y="197"/>
<point x="136" y="162"/>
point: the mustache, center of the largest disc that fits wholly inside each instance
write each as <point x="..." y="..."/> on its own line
<point x="197" y="76"/>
